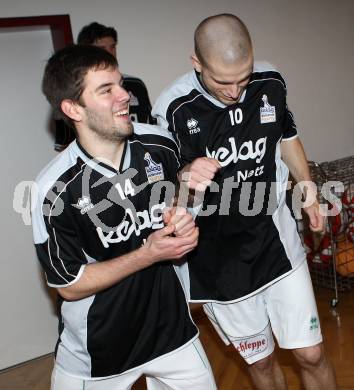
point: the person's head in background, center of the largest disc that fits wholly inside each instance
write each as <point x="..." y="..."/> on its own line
<point x="99" y="35"/>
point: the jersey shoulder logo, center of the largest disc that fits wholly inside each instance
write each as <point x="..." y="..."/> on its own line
<point x="154" y="171"/>
<point x="84" y="204"/>
<point x="192" y="125"/>
<point x="267" y="112"/>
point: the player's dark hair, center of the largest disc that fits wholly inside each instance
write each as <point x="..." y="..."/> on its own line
<point x="92" y="32"/>
<point x="65" y="72"/>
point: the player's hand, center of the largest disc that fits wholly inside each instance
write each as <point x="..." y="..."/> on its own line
<point x="181" y="218"/>
<point x="160" y="245"/>
<point x="317" y="220"/>
<point x="199" y="174"/>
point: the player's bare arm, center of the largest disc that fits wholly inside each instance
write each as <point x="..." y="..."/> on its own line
<point x="199" y="174"/>
<point x="293" y="155"/>
<point x="196" y="177"/>
<point x="159" y="246"/>
<point x="181" y="219"/>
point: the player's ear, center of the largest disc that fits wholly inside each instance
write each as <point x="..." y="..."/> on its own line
<point x="196" y="63"/>
<point x="71" y="109"/>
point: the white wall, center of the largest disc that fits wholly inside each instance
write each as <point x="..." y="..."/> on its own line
<point x="311" y="42"/>
<point x="28" y="323"/>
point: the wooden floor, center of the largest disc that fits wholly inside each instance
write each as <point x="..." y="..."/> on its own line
<point x="229" y="370"/>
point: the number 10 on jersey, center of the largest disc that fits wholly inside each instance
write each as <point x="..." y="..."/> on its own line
<point x="236" y="116"/>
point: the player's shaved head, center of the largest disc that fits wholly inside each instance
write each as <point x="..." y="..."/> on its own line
<point x="223" y="38"/>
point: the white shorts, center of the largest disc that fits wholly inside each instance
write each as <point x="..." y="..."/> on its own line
<point x="187" y="368"/>
<point x="287" y="308"/>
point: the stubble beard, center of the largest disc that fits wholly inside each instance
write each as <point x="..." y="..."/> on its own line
<point x="107" y="133"/>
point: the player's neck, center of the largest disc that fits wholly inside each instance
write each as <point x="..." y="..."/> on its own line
<point x="201" y="82"/>
<point x="107" y="150"/>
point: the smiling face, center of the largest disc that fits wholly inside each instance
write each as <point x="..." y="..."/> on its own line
<point x="226" y="82"/>
<point x="104" y="106"/>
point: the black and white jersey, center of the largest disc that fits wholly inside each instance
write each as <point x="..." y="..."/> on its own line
<point x="139" y="110"/>
<point x="84" y="211"/>
<point x="139" y="106"/>
<point x="248" y="238"/>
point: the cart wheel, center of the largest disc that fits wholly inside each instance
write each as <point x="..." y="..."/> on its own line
<point x="334" y="302"/>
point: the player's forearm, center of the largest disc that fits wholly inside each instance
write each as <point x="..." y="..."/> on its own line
<point x="102" y="275"/>
<point x="294" y="156"/>
<point x="186" y="197"/>
<point x="191" y="187"/>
